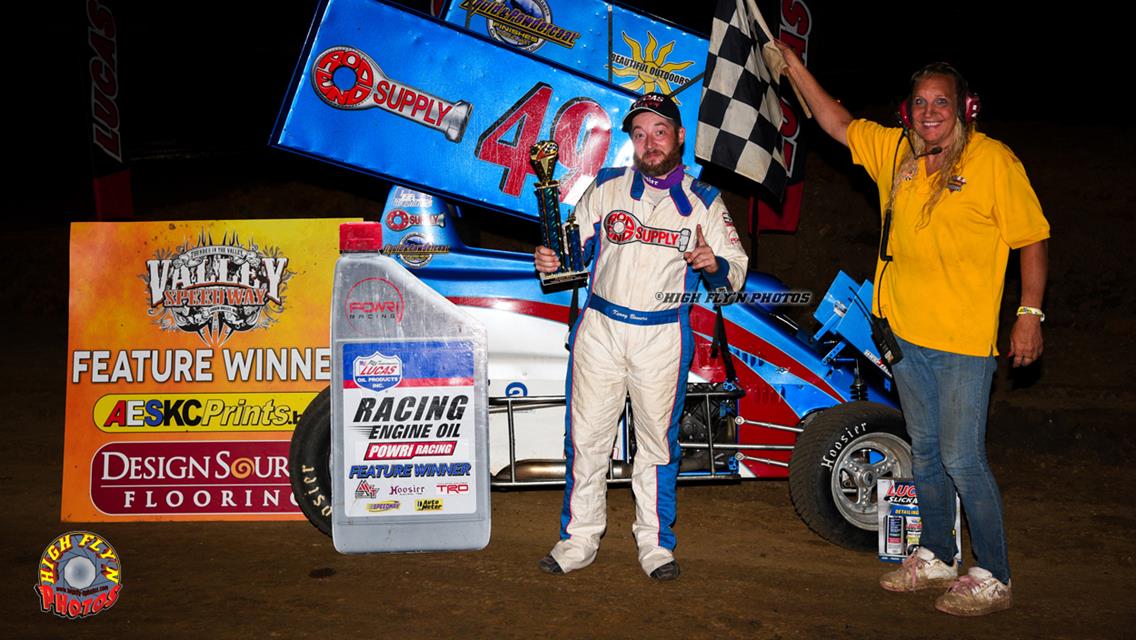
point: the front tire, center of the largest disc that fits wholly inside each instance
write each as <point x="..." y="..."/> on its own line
<point x="838" y="457"/>
<point x="309" y="462"/>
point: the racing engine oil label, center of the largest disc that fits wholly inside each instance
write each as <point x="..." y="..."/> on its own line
<point x="408" y="428"/>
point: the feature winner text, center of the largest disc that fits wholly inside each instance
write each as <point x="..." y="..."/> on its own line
<point x="198" y="365"/>
<point x="418" y="470"/>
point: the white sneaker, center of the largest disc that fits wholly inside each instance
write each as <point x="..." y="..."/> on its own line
<point x="920" y="570"/>
<point x="975" y="594"/>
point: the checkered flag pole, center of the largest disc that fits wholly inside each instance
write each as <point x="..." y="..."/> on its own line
<point x="739" y="120"/>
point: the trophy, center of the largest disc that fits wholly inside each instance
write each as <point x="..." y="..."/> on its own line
<point x="564" y="240"/>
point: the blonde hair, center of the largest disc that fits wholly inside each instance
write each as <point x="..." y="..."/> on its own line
<point x="952" y="155"/>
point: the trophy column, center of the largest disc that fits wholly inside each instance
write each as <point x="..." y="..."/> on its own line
<point x="563" y="239"/>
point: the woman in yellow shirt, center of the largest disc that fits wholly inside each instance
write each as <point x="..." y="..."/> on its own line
<point x="954" y="202"/>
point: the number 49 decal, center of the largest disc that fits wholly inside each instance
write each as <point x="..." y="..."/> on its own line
<point x="582" y="150"/>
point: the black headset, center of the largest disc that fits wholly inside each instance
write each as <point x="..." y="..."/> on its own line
<point x="968" y="103"/>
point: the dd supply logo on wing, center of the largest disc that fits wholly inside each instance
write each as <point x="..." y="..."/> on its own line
<point x="80" y="575"/>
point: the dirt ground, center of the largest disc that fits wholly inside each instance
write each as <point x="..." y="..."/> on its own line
<point x="1060" y="442"/>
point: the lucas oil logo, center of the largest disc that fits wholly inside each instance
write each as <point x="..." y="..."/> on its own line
<point x="216" y="290"/>
<point x="377" y="372"/>
<point x="902" y="493"/>
<point x="622" y="227"/>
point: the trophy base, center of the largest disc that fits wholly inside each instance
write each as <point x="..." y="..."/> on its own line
<point x="563" y="280"/>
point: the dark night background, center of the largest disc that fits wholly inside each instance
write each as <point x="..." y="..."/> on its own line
<point x="201" y="83"/>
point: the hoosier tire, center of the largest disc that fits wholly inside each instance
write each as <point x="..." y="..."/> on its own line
<point x="838" y="457"/>
<point x="309" y="462"/>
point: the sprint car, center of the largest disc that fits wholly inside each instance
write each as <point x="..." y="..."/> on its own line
<point x="815" y="407"/>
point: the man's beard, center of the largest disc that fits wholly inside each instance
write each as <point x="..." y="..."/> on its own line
<point x="663" y="166"/>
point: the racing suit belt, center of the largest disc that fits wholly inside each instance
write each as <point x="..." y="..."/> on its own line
<point x="631" y="316"/>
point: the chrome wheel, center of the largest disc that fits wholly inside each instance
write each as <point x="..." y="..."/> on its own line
<point x="856" y="469"/>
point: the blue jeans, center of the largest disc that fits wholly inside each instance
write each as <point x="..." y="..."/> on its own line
<point x="945" y="397"/>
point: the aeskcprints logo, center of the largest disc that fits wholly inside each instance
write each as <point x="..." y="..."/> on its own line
<point x="215" y="290"/>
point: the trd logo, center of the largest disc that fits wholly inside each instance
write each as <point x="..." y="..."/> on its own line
<point x="452" y="488"/>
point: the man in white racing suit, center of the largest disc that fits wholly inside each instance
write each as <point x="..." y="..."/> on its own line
<point x="648" y="231"/>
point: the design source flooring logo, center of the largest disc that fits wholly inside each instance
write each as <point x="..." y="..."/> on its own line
<point x="80" y="575"/>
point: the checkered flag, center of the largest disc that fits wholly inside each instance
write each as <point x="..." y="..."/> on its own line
<point x="739" y="120"/>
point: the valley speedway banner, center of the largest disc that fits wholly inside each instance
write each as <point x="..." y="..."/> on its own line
<point x="193" y="349"/>
<point x="400" y="95"/>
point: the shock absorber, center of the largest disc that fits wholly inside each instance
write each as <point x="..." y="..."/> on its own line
<point x="859" y="388"/>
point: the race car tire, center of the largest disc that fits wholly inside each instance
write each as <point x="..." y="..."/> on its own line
<point x="838" y="457"/>
<point x="309" y="462"/>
